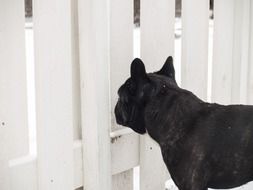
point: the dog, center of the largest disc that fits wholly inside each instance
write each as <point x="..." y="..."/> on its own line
<point x="204" y="145"/>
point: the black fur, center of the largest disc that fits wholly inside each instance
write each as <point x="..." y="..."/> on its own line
<point x="203" y="145"/>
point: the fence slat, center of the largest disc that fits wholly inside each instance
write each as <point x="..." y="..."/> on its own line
<point x="121" y="47"/>
<point x="53" y="73"/>
<point x="157" y="32"/>
<point x="240" y="51"/>
<point x="23" y="173"/>
<point x="223" y="51"/>
<point x="157" y="43"/>
<point x="124" y="153"/>
<point x="231" y="51"/>
<point x="245" y="49"/>
<point x="23" y="170"/>
<point x="94" y="68"/>
<point x="13" y="97"/>
<point x="121" y="55"/>
<point x="123" y="180"/>
<point x="195" y="46"/>
<point x="250" y="66"/>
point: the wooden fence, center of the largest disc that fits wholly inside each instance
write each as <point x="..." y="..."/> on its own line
<point x="82" y="52"/>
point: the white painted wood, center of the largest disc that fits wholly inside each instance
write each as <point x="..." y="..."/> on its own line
<point x="124" y="153"/>
<point x="123" y="181"/>
<point x="245" y="58"/>
<point x="210" y="61"/>
<point x="195" y="14"/>
<point x="153" y="172"/>
<point x="236" y="59"/>
<point x="23" y="170"/>
<point x="223" y="51"/>
<point x="121" y="56"/>
<point x="250" y="65"/>
<point x="121" y="132"/>
<point x="157" y="43"/>
<point x="23" y="173"/>
<point x="157" y="32"/>
<point x="53" y="72"/>
<point x="76" y="71"/>
<point x="231" y="51"/>
<point x="95" y="90"/>
<point x="13" y="97"/>
<point x="240" y="51"/>
<point x="121" y="47"/>
<point x="28" y="164"/>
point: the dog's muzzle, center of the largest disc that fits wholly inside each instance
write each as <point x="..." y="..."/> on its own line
<point x="121" y="116"/>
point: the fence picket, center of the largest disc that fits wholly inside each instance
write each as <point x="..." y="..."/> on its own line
<point x="245" y="49"/>
<point x="250" y="64"/>
<point x="223" y="51"/>
<point x="121" y="55"/>
<point x="124" y="153"/>
<point x="121" y="47"/>
<point x="157" y="43"/>
<point x="13" y="97"/>
<point x="195" y="46"/>
<point x="53" y="72"/>
<point x="123" y="180"/>
<point x="94" y="68"/>
<point x="231" y="51"/>
<point x="240" y="51"/>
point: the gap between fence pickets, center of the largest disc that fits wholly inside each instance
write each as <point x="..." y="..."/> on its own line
<point x="28" y="164"/>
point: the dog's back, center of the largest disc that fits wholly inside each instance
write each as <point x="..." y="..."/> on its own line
<point x="212" y="140"/>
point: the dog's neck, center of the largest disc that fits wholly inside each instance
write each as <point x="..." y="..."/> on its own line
<point x="170" y="113"/>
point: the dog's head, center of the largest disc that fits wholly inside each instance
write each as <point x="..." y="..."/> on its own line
<point x="136" y="92"/>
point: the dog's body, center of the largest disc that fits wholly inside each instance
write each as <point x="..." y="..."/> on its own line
<point x="203" y="145"/>
<point x="201" y="142"/>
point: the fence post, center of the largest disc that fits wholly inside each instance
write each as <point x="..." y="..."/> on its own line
<point x="13" y="97"/>
<point x="94" y="68"/>
<point x="53" y="73"/>
<point x="157" y="43"/>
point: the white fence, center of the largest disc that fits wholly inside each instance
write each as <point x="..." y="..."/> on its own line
<point x="83" y="50"/>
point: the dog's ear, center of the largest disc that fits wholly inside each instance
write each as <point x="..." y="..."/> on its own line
<point x="138" y="69"/>
<point x="168" y="69"/>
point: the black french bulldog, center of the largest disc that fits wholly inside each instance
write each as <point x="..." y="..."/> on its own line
<point x="203" y="145"/>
